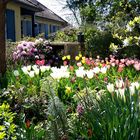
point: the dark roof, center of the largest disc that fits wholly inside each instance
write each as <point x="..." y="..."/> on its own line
<point x="48" y="14"/>
<point x="41" y="10"/>
<point x="33" y="4"/>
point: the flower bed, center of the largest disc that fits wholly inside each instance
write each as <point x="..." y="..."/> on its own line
<point x="91" y="99"/>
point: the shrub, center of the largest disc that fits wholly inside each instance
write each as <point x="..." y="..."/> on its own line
<point x="7" y="127"/>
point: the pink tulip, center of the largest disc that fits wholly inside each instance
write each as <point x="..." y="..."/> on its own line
<point x="79" y="64"/>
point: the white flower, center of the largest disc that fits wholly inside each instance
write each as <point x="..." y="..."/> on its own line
<point x="119" y="83"/>
<point x="103" y="70"/>
<point x="37" y="41"/>
<point x="136" y="85"/>
<point x="132" y="90"/>
<point x="16" y="73"/>
<point x="58" y="73"/>
<point x="129" y="28"/>
<point x="46" y="68"/>
<point x="34" y="67"/>
<point x="120" y="92"/>
<point x="43" y="68"/>
<point x="36" y="71"/>
<point x="126" y="42"/>
<point x="110" y="87"/>
<point x="90" y="74"/>
<point x="24" y="69"/>
<point x="80" y="72"/>
<point x="55" y="75"/>
<point x="31" y="74"/>
<point x="96" y="70"/>
<point x="29" y="67"/>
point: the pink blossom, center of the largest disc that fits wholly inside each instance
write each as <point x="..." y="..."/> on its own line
<point x="122" y="60"/>
<point x="117" y="62"/>
<point x="79" y="64"/>
<point x="137" y="66"/>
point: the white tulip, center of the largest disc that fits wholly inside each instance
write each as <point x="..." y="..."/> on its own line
<point x="29" y="67"/>
<point x="80" y="73"/>
<point x="119" y="83"/>
<point x="16" y="73"/>
<point x="103" y="70"/>
<point x="25" y="70"/>
<point x="132" y="90"/>
<point x="90" y="74"/>
<point x="36" y="71"/>
<point x="110" y="87"/>
<point x="96" y="70"/>
<point x="136" y="85"/>
<point x="34" y="67"/>
<point x="31" y="74"/>
<point x="43" y="68"/>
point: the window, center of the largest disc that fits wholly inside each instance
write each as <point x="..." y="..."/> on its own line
<point x="26" y="28"/>
<point x="53" y="28"/>
<point x="46" y="31"/>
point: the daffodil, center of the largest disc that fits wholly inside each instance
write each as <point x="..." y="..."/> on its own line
<point x="68" y="90"/>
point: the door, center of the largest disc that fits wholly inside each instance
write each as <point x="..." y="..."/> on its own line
<point x="10" y="25"/>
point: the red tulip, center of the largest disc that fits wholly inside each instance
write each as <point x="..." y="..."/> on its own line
<point x="40" y="62"/>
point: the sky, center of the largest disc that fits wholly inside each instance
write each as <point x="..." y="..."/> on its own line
<point x="57" y="6"/>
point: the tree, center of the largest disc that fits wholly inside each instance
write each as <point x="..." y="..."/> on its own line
<point x="3" y="4"/>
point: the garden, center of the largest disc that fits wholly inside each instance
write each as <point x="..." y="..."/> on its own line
<point x="47" y="95"/>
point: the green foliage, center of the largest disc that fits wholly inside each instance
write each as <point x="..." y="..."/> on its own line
<point x="56" y="125"/>
<point x="7" y="127"/>
<point x="129" y="42"/>
<point x="66" y="35"/>
<point x="107" y="117"/>
<point x="97" y="42"/>
<point x="27" y="130"/>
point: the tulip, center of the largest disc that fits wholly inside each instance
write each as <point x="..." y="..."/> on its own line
<point x="90" y="74"/>
<point x="110" y="87"/>
<point x="16" y="73"/>
<point x="31" y="74"/>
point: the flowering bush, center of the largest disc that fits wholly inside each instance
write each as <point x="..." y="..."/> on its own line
<point x="37" y="51"/>
<point x="129" y="40"/>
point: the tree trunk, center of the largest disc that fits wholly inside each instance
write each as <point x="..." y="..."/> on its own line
<point x="2" y="39"/>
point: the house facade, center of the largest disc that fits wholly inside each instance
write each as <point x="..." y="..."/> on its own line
<point x="30" y="18"/>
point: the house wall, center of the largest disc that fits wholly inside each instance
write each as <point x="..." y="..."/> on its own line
<point x="44" y="22"/>
<point x="16" y="8"/>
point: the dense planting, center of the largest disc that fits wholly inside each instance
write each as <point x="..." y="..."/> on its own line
<point x="90" y="99"/>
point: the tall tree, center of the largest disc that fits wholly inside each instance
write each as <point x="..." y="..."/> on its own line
<point x="3" y="4"/>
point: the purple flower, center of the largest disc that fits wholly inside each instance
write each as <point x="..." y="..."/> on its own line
<point x="80" y="109"/>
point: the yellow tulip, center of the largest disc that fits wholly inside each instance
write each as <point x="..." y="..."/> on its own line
<point x="80" y="55"/>
<point x="83" y="61"/>
<point x="83" y="58"/>
<point x="68" y="57"/>
<point x="64" y="58"/>
<point x="77" y="58"/>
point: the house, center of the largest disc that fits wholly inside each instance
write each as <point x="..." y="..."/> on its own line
<point x="30" y="18"/>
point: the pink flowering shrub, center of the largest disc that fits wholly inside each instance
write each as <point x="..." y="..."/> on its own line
<point x="32" y="52"/>
<point x="24" y="50"/>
